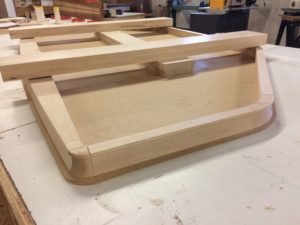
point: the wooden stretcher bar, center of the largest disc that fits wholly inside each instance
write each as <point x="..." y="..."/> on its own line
<point x="84" y="161"/>
<point x="78" y="28"/>
<point x="60" y="62"/>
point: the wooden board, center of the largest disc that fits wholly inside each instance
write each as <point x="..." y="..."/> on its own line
<point x="66" y="61"/>
<point x="97" y="119"/>
<point x="77" y="28"/>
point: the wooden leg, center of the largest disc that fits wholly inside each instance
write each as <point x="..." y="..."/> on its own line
<point x="280" y="32"/>
<point x="291" y="34"/>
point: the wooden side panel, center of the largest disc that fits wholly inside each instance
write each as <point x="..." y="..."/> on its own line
<point x="59" y="125"/>
<point x="51" y="108"/>
<point x="262" y="69"/>
<point x="77" y="28"/>
<point x="19" y="67"/>
<point x="112" y="155"/>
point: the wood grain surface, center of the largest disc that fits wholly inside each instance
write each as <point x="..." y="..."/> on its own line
<point x="5" y="217"/>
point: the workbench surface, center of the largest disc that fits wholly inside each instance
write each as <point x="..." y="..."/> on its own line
<point x="252" y="180"/>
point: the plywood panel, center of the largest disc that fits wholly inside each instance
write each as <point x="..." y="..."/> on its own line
<point x="103" y="110"/>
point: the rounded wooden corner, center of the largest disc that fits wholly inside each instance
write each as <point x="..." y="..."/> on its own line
<point x="81" y="163"/>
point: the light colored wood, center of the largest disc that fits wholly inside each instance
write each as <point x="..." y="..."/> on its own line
<point x="67" y="61"/>
<point x="177" y="68"/>
<point x="182" y="98"/>
<point x="77" y="28"/>
<point x="183" y="33"/>
<point x="110" y="154"/>
<point x="68" y="38"/>
<point x="52" y="110"/>
<point x="96" y="122"/>
<point x="59" y="125"/>
<point x="66" y="46"/>
<point x="145" y="144"/>
<point x="12" y="19"/>
<point x="165" y="69"/>
<point x="119" y="37"/>
<point x="28" y="46"/>
<point x="173" y="68"/>
<point x="80" y="8"/>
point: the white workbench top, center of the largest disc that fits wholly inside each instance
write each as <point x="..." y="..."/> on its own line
<point x="253" y="180"/>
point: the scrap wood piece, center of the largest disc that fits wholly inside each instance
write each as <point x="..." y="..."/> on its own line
<point x="68" y="61"/>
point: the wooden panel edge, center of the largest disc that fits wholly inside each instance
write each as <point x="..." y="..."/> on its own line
<point x="65" y="142"/>
<point x="17" y="206"/>
<point x="110" y="159"/>
<point x="67" y="61"/>
<point x="76" y="28"/>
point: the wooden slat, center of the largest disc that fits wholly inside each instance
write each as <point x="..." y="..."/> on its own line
<point x="76" y="28"/>
<point x="112" y="155"/>
<point x="68" y="61"/>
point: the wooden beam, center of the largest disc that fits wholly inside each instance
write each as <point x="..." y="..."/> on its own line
<point x="76" y="28"/>
<point x="59" y="62"/>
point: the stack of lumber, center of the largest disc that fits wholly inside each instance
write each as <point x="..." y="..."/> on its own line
<point x="88" y="9"/>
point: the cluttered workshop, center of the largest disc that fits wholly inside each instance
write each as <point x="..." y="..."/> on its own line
<point x="153" y="112"/>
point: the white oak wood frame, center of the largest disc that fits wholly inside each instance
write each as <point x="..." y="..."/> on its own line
<point x="77" y="28"/>
<point x="89" y="163"/>
<point x="67" y="61"/>
<point x="109" y="158"/>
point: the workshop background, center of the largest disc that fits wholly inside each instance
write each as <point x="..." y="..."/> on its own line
<point x="264" y="18"/>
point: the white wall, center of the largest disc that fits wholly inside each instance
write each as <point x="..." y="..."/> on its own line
<point x="10" y="8"/>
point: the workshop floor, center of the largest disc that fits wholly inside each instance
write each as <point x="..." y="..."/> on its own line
<point x="5" y="218"/>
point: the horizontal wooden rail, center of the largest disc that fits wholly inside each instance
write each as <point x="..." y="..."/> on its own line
<point x="77" y="28"/>
<point x="67" y="61"/>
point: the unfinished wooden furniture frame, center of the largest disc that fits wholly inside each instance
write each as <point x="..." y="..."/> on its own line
<point x="50" y="75"/>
